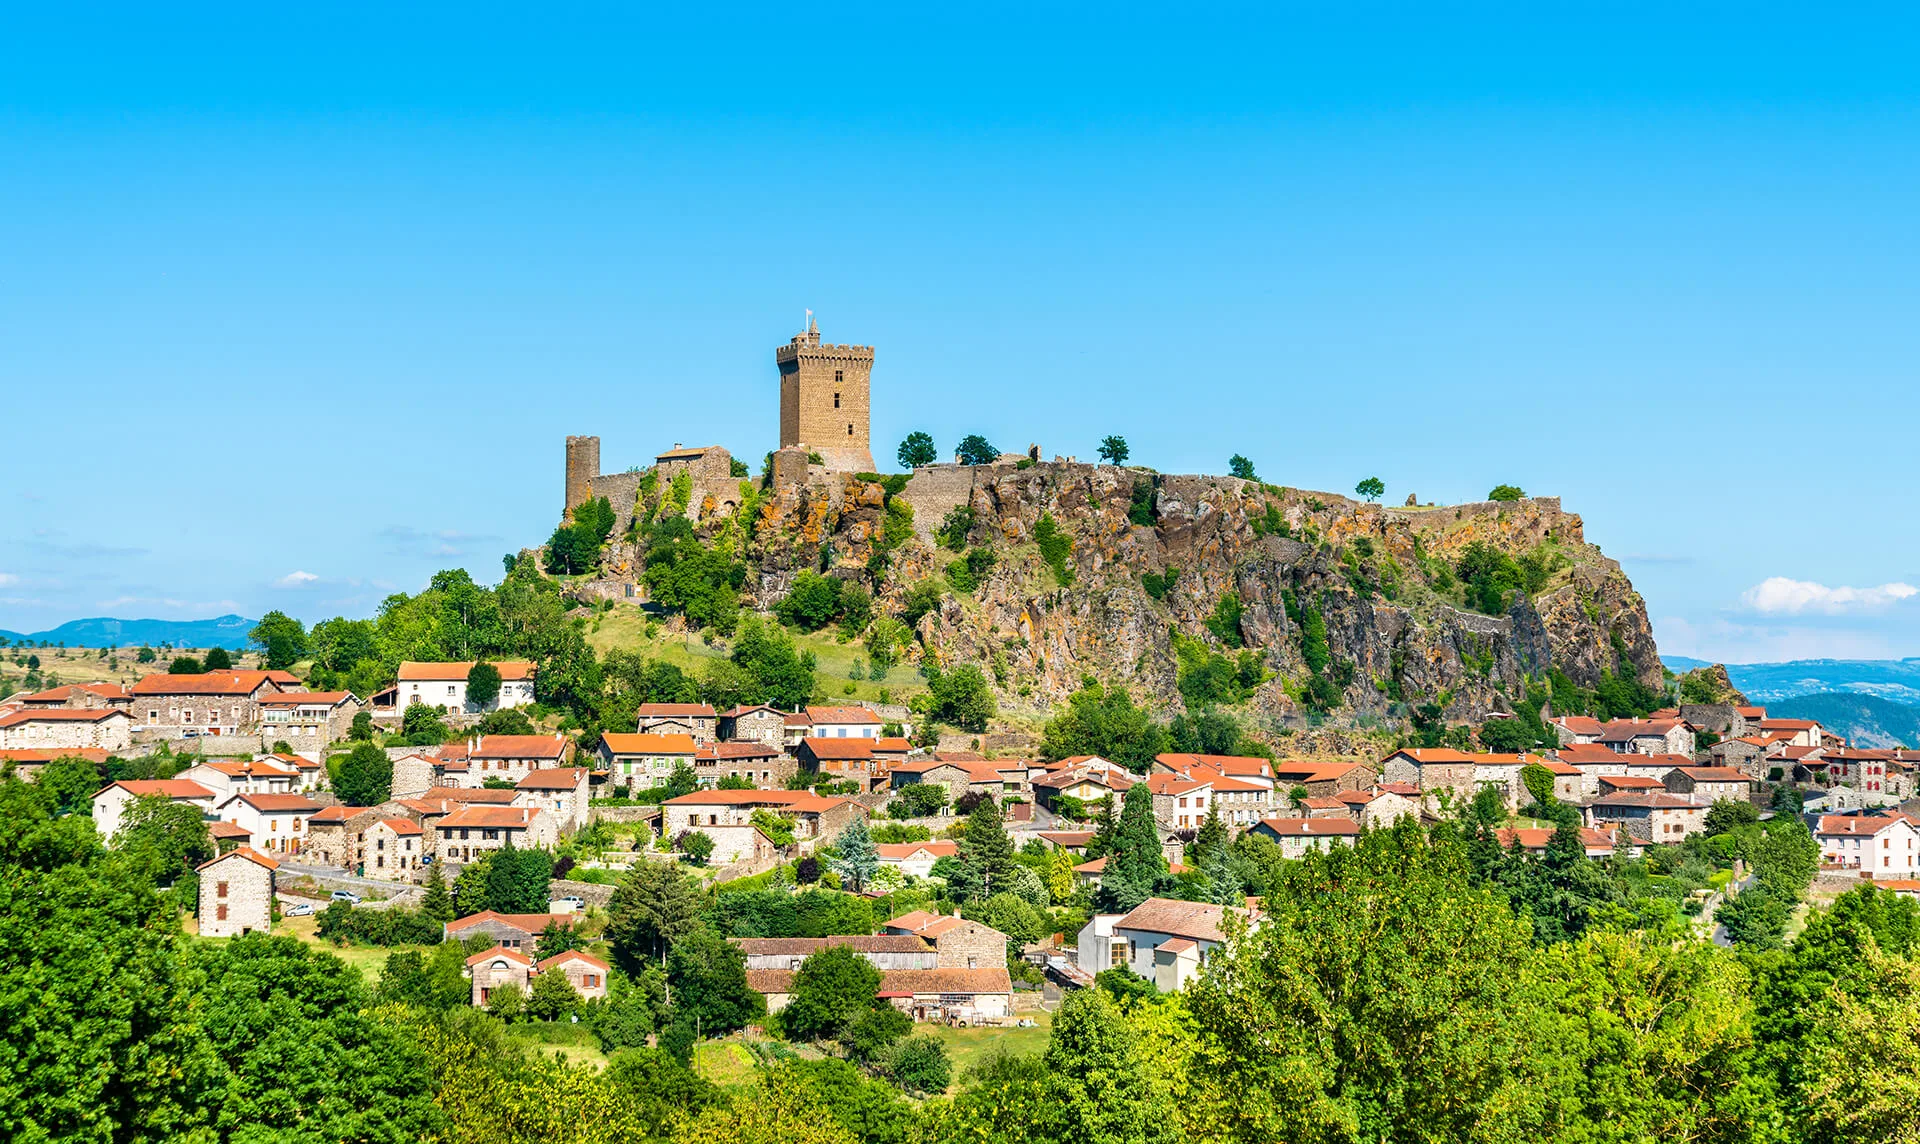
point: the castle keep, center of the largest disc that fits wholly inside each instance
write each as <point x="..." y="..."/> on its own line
<point x="823" y="399"/>
<point x="824" y="408"/>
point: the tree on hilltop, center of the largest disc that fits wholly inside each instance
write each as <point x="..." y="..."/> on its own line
<point x="1113" y="449"/>
<point x="1238" y="466"/>
<point x="917" y="450"/>
<point x="1373" y="488"/>
<point x="1506" y="493"/>
<point x="976" y="450"/>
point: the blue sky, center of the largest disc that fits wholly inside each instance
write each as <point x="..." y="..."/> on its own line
<point x="297" y="306"/>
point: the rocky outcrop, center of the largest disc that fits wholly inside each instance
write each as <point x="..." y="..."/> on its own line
<point x="1383" y="580"/>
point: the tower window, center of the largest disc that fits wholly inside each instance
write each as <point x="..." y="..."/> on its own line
<point x="836" y="401"/>
<point x="849" y="430"/>
<point x="839" y="375"/>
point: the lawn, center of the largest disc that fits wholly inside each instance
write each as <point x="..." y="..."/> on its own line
<point x="369" y="960"/>
<point x="564" y="1041"/>
<point x="725" y="1063"/>
<point x="625" y="628"/>
<point x="966" y="1046"/>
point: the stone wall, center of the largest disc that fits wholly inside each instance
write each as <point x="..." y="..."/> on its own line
<point x="582" y="466"/>
<point x="622" y="491"/>
<point x="240" y="888"/>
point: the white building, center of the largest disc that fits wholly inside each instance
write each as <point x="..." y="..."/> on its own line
<point x="1162" y="940"/>
<point x="445" y="685"/>
<point x="275" y="823"/>
<point x="227" y="778"/>
<point x="1877" y="847"/>
<point x="833" y="723"/>
<point x="561" y="792"/>
<point x="915" y="858"/>
<point x="111" y="803"/>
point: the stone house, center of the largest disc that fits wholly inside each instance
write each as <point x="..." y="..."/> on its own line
<point x="211" y="703"/>
<point x="695" y="719"/>
<point x="394" y="849"/>
<point x="957" y="942"/>
<point x="758" y="724"/>
<point x="1723" y="719"/>
<point x="67" y="728"/>
<point x="1323" y="779"/>
<point x="1296" y="836"/>
<point x="473" y="832"/>
<point x="1248" y="768"/>
<point x="443" y="686"/>
<point x="1439" y="772"/>
<point x="585" y="972"/>
<point x="641" y="761"/>
<point x="1652" y="817"/>
<point x="954" y="776"/>
<point x="561" y="791"/>
<point x="1241" y="799"/>
<point x="308" y="718"/>
<point x="887" y="951"/>
<point x="1648" y="737"/>
<point x="76" y="695"/>
<point x="1089" y="783"/>
<point x="1876" y="846"/>
<point x="520" y="932"/>
<point x="726" y="816"/>
<point x="275" y="823"/>
<point x="28" y="764"/>
<point x="1577" y="729"/>
<point x="1534" y="840"/>
<point x="497" y="968"/>
<point x="1742" y="754"/>
<point x="915" y="858"/>
<point x="763" y="766"/>
<point x="1710" y="783"/>
<point x="514" y="757"/>
<point x="1862" y="770"/>
<point x="1162" y="940"/>
<point x="336" y="834"/>
<point x="112" y="800"/>
<point x="227" y="778"/>
<point x="1377" y="809"/>
<point x="418" y="773"/>
<point x="433" y="806"/>
<point x="236" y="893"/>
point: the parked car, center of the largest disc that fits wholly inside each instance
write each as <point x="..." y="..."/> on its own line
<point x="347" y="896"/>
<point x="578" y="903"/>
<point x="297" y="910"/>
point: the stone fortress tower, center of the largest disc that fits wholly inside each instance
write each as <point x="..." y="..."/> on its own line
<point x="824" y="402"/>
<point x="583" y="465"/>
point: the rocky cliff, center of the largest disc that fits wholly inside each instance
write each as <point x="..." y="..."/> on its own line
<point x="1384" y="582"/>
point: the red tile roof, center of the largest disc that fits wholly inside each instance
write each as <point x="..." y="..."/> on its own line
<point x="556" y="778"/>
<point x="1200" y="921"/>
<point x="579" y="955"/>
<point x="277" y="803"/>
<point x="630" y="744"/>
<point x="519" y="747"/>
<point x="510" y="670"/>
<point x="798" y="800"/>
<point x="62" y="694"/>
<point x="172" y="788"/>
<point x="63" y="715"/>
<point x="306" y="699"/>
<point x="247" y="852"/>
<point x="499" y="952"/>
<point x="945" y="848"/>
<point x="526" y="923"/>
<point x="840" y="715"/>
<point x="669" y="710"/>
<point x="206" y="683"/>
<point x="489" y="817"/>
<point x="841" y="749"/>
<point x="15" y="755"/>
<point x="401" y="825"/>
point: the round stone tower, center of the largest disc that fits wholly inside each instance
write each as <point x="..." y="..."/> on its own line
<point x="583" y="464"/>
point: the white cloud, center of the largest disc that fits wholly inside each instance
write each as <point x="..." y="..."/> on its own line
<point x="296" y="580"/>
<point x="1780" y="596"/>
<point x="7" y="578"/>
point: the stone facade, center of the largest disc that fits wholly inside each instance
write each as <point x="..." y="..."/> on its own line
<point x="210" y="704"/>
<point x="695" y="719"/>
<point x="236" y="894"/>
<point x="308" y="719"/>
<point x="496" y="968"/>
<point x="477" y="831"/>
<point x="107" y="729"/>
<point x="583" y="465"/>
<point x="585" y="972"/>
<point x="393" y="849"/>
<point x="825" y="400"/>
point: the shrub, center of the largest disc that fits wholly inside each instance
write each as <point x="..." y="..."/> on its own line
<point x="1506" y="493"/>
<point x="1055" y="547"/>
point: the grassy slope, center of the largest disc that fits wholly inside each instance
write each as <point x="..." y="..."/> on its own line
<point x="625" y="628"/>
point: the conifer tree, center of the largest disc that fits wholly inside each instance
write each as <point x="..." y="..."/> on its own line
<point x="435" y="902"/>
<point x="1211" y="839"/>
<point x="1136" y="865"/>
<point x="984" y="861"/>
<point x="858" y="861"/>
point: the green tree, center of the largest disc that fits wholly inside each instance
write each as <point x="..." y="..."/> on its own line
<point x="572" y="550"/>
<point x="681" y="781"/>
<point x="833" y="987"/>
<point x="435" y="903"/>
<point x="919" y="1063"/>
<point x="1210" y="839"/>
<point x="1100" y="1090"/>
<point x="483" y="684"/>
<point x="181" y="665"/>
<point x="856" y="861"/>
<point x="551" y="997"/>
<point x="365" y="778"/>
<point x="1239" y="466"/>
<point x="961" y="697"/>
<point x="1104" y="722"/>
<point x="916" y="450"/>
<point x="984" y="860"/>
<point x="811" y="603"/>
<point x="72" y="782"/>
<point x="1113" y="449"/>
<point x="1224" y="623"/>
<point x="1506" y="493"/>
<point x="695" y="846"/>
<point x="165" y="840"/>
<point x="655" y="905"/>
<point x="422" y="725"/>
<point x="707" y="977"/>
<point x="766" y="654"/>
<point x="976" y="450"/>
<point x="217" y="659"/>
<point x="147" y="655"/>
<point x="1135" y="865"/>
<point x="281" y="638"/>
<point x="1373" y="488"/>
<point x="361" y="730"/>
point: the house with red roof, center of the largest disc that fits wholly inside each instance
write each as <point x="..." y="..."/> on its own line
<point x="1296" y="836"/>
<point x="475" y="831"/>
<point x="757" y="723"/>
<point x="66" y="728"/>
<point x="393" y="848"/>
<point x="915" y="858"/>
<point x="638" y="762"/>
<point x="698" y="720"/>
<point x="206" y="704"/>
<point x="443" y="686"/>
<point x="514" y="757"/>
<point x="1163" y="940"/>
<point x="308" y="719"/>
<point x="561" y="791"/>
<point x="236" y="893"/>
<point x="1878" y="846"/>
<point x="275" y="823"/>
<point x="833" y="723"/>
<point x="228" y="777"/>
<point x="726" y="817"/>
<point x="767" y="767"/>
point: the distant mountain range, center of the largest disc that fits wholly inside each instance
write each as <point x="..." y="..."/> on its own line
<point x="1874" y="702"/>
<point x="223" y="631"/>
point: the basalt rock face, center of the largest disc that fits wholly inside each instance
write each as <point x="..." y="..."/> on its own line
<point x="1381" y="579"/>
